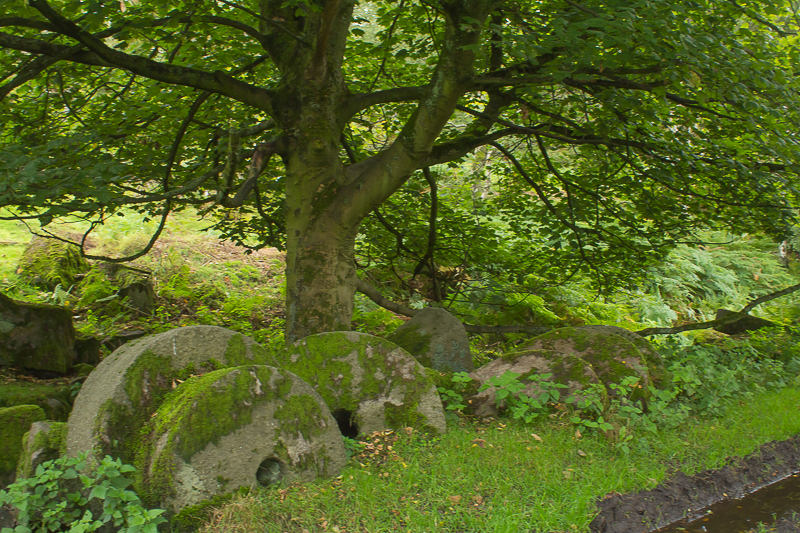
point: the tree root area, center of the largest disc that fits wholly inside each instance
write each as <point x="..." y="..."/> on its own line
<point x="686" y="497"/>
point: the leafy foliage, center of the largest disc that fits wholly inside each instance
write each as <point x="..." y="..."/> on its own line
<point x="486" y="144"/>
<point x="72" y="493"/>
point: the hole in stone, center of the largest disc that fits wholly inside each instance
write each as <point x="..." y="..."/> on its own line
<point x="270" y="472"/>
<point x="347" y="426"/>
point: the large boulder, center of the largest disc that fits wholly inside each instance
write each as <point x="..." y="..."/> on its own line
<point x="652" y="359"/>
<point x="111" y="287"/>
<point x="36" y="336"/>
<point x="437" y="339"/>
<point x="15" y="422"/>
<point x="369" y="383"/>
<point x="45" y="441"/>
<point x="46" y="263"/>
<point x="54" y="397"/>
<point x="233" y="427"/>
<point x="127" y="387"/>
<point x="575" y="357"/>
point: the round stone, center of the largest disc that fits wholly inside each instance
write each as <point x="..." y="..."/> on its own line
<point x="125" y="389"/>
<point x="233" y="427"/>
<point x="369" y="383"/>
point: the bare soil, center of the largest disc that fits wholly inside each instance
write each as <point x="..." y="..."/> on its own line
<point x="685" y="496"/>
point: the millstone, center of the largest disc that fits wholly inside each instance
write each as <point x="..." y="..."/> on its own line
<point x="233" y="427"/>
<point x="369" y="383"/>
<point x="119" y="396"/>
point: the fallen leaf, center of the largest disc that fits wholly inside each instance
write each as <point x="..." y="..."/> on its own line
<point x="454" y="499"/>
<point x="479" y="442"/>
<point x="537" y="437"/>
<point x="582" y="453"/>
<point x="578" y="434"/>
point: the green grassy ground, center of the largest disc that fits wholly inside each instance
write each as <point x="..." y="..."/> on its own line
<point x="503" y="476"/>
<point x="495" y="475"/>
<point x="14" y="236"/>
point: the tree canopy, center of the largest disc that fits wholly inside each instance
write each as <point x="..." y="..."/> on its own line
<point x="580" y="135"/>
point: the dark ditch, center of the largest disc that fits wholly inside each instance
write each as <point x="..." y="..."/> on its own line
<point x="778" y="503"/>
<point x="691" y="497"/>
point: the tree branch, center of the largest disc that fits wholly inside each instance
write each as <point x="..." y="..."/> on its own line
<point x="720" y="321"/>
<point x="373" y="294"/>
<point x="360" y="101"/>
<point x="375" y="179"/>
<point x="217" y="82"/>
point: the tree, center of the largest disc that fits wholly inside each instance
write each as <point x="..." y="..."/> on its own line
<point x="617" y="126"/>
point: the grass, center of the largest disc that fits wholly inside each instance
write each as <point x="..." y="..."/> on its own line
<point x="197" y="278"/>
<point x="501" y="475"/>
<point x="14" y="236"/>
<point x="482" y="475"/>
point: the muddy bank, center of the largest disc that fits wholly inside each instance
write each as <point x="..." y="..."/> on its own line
<point x="683" y="495"/>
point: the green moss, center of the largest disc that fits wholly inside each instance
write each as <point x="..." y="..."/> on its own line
<point x="204" y="408"/>
<point x="331" y="378"/>
<point x="118" y="423"/>
<point x="148" y="379"/>
<point x="82" y="369"/>
<point x="15" y="421"/>
<point x="53" y="398"/>
<point x="301" y="411"/>
<point x="401" y="416"/>
<point x="611" y="357"/>
<point x="52" y="442"/>
<point x="327" y="362"/>
<point x="47" y="263"/>
<point x="413" y="340"/>
<point x="146" y="383"/>
<point x="197" y="413"/>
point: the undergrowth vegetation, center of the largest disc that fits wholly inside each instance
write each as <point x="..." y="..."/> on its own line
<point x="540" y="466"/>
<point x="502" y="474"/>
<point x="72" y="494"/>
<point x="199" y="279"/>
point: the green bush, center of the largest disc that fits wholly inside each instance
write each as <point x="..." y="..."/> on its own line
<point x="72" y="494"/>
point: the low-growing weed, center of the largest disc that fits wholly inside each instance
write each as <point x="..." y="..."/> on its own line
<point x="509" y="392"/>
<point x="453" y="396"/>
<point x="72" y="494"/>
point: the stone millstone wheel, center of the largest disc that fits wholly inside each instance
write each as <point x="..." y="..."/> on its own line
<point x="119" y="396"/>
<point x="369" y="383"/>
<point x="233" y="427"/>
<point x="574" y="357"/>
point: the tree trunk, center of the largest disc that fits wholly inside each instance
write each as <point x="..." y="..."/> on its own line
<point x="320" y="280"/>
<point x="320" y="267"/>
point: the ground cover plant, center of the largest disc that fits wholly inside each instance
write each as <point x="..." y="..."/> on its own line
<point x="71" y="493"/>
<point x="504" y="474"/>
<point x="743" y="389"/>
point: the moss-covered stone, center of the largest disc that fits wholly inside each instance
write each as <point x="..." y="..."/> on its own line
<point x="212" y="433"/>
<point x="436" y="339"/>
<point x="613" y="356"/>
<point x="377" y="383"/>
<point x="46" y="263"/>
<point x="127" y="387"/>
<point x="15" y="421"/>
<point x="574" y="357"/>
<point x="54" y="398"/>
<point x="36" y="336"/>
<point x="45" y="441"/>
